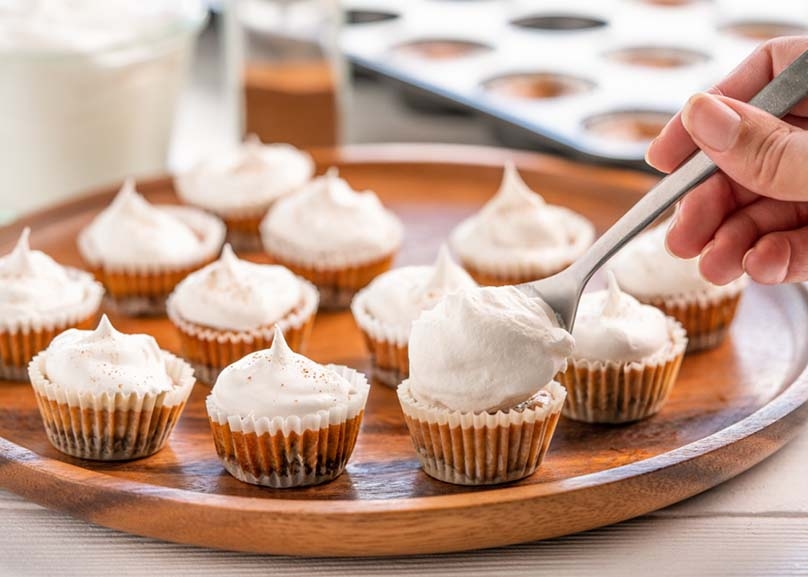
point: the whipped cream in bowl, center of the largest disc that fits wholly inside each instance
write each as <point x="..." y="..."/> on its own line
<point x="328" y="225"/>
<point x="248" y="180"/>
<point x="517" y="235"/>
<point x="278" y="402"/>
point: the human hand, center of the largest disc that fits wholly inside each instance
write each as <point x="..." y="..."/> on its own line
<point x="751" y="216"/>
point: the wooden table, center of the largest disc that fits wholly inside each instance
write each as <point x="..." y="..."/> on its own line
<point x="756" y="525"/>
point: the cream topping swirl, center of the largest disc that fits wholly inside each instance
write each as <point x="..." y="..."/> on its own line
<point x="107" y="361"/>
<point x="328" y="221"/>
<point x="34" y="286"/>
<point x="517" y="225"/>
<point x="251" y="177"/>
<point x="613" y="326"/>
<point x="133" y="231"/>
<point x="485" y="349"/>
<point x="278" y="382"/>
<point x="400" y="295"/>
<point x="644" y="268"/>
<point x="234" y="294"/>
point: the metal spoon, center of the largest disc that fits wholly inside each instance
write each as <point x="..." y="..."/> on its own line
<point x="562" y="291"/>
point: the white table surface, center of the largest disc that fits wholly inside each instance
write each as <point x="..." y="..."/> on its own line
<point x="756" y="524"/>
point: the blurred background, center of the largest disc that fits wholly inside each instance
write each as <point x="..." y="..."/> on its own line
<point x="92" y="91"/>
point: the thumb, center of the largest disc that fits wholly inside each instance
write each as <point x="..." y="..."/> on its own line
<point x="755" y="149"/>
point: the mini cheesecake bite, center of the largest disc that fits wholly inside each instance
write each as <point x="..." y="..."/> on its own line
<point x="140" y="251"/>
<point x="481" y="404"/>
<point x="281" y="420"/>
<point x="625" y="361"/>
<point x="108" y="396"/>
<point x="386" y="309"/>
<point x="517" y="237"/>
<point x="231" y="308"/>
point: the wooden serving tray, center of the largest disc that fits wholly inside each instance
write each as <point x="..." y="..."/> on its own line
<point x="731" y="407"/>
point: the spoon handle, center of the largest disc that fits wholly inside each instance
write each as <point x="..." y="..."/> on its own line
<point x="777" y="98"/>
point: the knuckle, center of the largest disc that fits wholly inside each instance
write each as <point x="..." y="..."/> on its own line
<point x="767" y="157"/>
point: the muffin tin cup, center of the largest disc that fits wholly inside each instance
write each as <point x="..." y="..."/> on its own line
<point x="612" y="393"/>
<point x="20" y="340"/>
<point x="481" y="448"/>
<point x="488" y="278"/>
<point x="141" y="289"/>
<point x="337" y="286"/>
<point x="106" y="427"/>
<point x="210" y="350"/>
<point x="386" y="343"/>
<point x="707" y="321"/>
<point x="292" y="451"/>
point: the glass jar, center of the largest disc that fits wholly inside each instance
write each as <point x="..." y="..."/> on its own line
<point x="88" y="92"/>
<point x="291" y="74"/>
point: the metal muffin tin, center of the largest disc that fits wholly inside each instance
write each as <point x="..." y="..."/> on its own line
<point x="594" y="78"/>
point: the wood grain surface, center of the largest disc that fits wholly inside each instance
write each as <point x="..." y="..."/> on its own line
<point x="731" y="407"/>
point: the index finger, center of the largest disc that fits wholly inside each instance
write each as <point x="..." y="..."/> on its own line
<point x="674" y="145"/>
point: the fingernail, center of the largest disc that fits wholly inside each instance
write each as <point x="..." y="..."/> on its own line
<point x="648" y="153"/>
<point x="672" y="224"/>
<point x="765" y="271"/>
<point x="711" y="122"/>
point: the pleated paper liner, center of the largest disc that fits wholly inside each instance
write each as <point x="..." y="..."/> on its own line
<point x="210" y="350"/>
<point x="108" y="427"/>
<point x="141" y="290"/>
<point x="292" y="451"/>
<point x="386" y="343"/>
<point x="243" y="231"/>
<point x="502" y="278"/>
<point x="20" y="340"/>
<point x="706" y="321"/>
<point x="337" y="286"/>
<point x="611" y="392"/>
<point x="482" y="448"/>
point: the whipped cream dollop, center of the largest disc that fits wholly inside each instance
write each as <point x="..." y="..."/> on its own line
<point x="613" y="326"/>
<point x="251" y="177"/>
<point x="328" y="222"/>
<point x="485" y="349"/>
<point x="278" y="382"/>
<point x="34" y="286"/>
<point x="644" y="268"/>
<point x="400" y="295"/>
<point x="133" y="231"/>
<point x="234" y="294"/>
<point x="519" y="227"/>
<point x="86" y="26"/>
<point x="107" y="361"/>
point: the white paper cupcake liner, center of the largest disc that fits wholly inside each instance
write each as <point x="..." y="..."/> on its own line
<point x="481" y="448"/>
<point x="21" y="339"/>
<point x="210" y="350"/>
<point x="110" y="427"/>
<point x="706" y="315"/>
<point x="291" y="451"/>
<point x="387" y="343"/>
<point x="611" y="393"/>
<point x="210" y="229"/>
